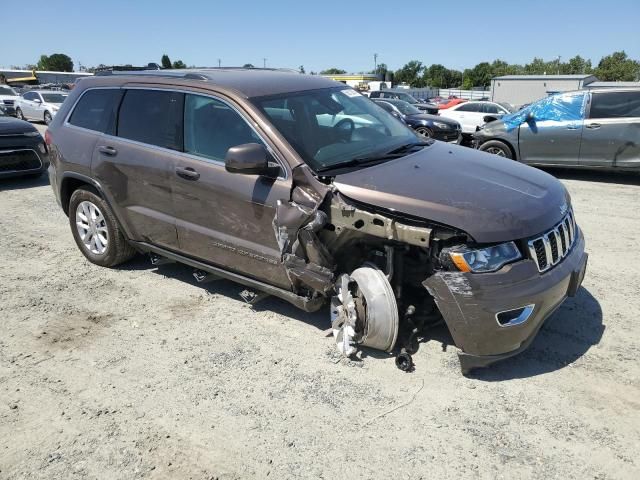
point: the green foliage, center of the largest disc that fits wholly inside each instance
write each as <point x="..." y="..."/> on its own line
<point x="179" y="64"/>
<point x="333" y="71"/>
<point x="301" y="69"/>
<point x="166" y="61"/>
<point x="248" y="65"/>
<point x="617" y="67"/>
<point x="58" y="62"/>
<point x="410" y="74"/>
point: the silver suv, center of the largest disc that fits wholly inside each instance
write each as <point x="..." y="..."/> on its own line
<point x="597" y="128"/>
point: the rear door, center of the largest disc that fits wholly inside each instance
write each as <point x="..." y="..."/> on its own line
<point x="137" y="164"/>
<point x="553" y="136"/>
<point x="468" y="115"/>
<point x="611" y="136"/>
<point x="27" y="105"/>
<point x="226" y="218"/>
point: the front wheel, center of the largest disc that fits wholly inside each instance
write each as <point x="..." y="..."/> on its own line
<point x="47" y="118"/>
<point x="497" y="147"/>
<point x="96" y="230"/>
<point x="19" y="114"/>
<point x="425" y="132"/>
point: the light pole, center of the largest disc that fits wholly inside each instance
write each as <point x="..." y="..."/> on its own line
<point x="375" y="63"/>
<point x="559" y="57"/>
<point x="264" y="63"/>
<point x="219" y="63"/>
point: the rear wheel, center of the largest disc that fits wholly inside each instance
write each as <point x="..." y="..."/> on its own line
<point x="19" y="114"/>
<point x="96" y="230"/>
<point x="47" y="118"/>
<point x="497" y="147"/>
<point x="425" y="132"/>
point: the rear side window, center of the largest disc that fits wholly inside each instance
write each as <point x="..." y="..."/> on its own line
<point x="96" y="110"/>
<point x="153" y="117"/>
<point x="615" y="105"/>
<point x="211" y="128"/>
<point x="469" y="107"/>
<point x="489" y="108"/>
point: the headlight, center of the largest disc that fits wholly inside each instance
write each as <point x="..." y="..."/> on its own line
<point x="442" y="126"/>
<point x="487" y="259"/>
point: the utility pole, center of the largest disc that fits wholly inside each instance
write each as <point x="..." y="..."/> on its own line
<point x="264" y="63"/>
<point x="559" y="57"/>
<point x="375" y="63"/>
<point x="219" y="63"/>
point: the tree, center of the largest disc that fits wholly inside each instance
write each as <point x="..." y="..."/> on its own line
<point x="576" y="65"/>
<point x="248" y="65"/>
<point x="179" y="64"/>
<point x="301" y="69"/>
<point x="333" y="71"/>
<point x="480" y="75"/>
<point x="166" y="61"/>
<point x="380" y="71"/>
<point x="617" y="67"/>
<point x="410" y="74"/>
<point x="58" y="62"/>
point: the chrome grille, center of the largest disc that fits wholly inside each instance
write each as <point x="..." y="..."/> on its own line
<point x="8" y="102"/>
<point x="548" y="249"/>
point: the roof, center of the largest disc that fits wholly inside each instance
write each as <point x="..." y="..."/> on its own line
<point x="614" y="85"/>
<point x="543" y="77"/>
<point x="252" y="82"/>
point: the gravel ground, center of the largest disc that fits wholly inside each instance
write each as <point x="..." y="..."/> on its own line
<point x="138" y="372"/>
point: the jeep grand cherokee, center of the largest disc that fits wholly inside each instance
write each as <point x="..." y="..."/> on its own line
<point x="300" y="187"/>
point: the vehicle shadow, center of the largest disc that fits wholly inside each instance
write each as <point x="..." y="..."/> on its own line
<point x="566" y="336"/>
<point x="19" y="183"/>
<point x="230" y="289"/>
<point x="620" y="177"/>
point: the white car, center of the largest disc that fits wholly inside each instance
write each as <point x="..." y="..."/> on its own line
<point x="470" y="115"/>
<point x="39" y="105"/>
<point x="8" y="97"/>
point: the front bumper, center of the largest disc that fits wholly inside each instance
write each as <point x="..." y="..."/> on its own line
<point x="470" y="304"/>
<point x="22" y="156"/>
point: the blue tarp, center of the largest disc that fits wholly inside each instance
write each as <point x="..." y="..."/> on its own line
<point x="559" y="107"/>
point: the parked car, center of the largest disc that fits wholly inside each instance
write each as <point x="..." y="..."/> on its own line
<point x="425" y="106"/>
<point x="230" y="172"/>
<point x="449" y="102"/>
<point x="598" y="128"/>
<point x="8" y="97"/>
<point x="472" y="115"/>
<point x="22" y="149"/>
<point x="40" y="105"/>
<point x="425" y="125"/>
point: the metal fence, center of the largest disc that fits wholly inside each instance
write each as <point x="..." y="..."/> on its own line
<point x="429" y="92"/>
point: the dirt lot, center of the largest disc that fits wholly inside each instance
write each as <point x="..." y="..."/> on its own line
<point x="138" y="372"/>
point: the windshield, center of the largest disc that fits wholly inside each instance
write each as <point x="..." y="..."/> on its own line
<point x="8" y="91"/>
<point x="406" y="98"/>
<point x="406" y="108"/>
<point x="53" y="97"/>
<point x="334" y="126"/>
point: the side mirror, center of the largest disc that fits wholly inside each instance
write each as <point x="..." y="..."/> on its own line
<point x="250" y="159"/>
<point x="530" y="117"/>
<point x="37" y="100"/>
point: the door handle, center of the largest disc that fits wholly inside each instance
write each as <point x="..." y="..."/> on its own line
<point x="107" y="150"/>
<point x="187" y="173"/>
<point x="572" y="127"/>
<point x="593" y="126"/>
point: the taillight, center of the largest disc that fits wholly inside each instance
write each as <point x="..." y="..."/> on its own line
<point x="47" y="137"/>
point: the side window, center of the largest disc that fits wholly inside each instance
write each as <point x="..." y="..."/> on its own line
<point x="96" y="110"/>
<point x="469" y="107"/>
<point x="615" y="105"/>
<point x="489" y="108"/>
<point x="211" y="127"/>
<point x="153" y="117"/>
<point x="386" y="106"/>
<point x="29" y="96"/>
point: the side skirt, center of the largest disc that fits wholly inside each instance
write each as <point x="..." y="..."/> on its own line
<point x="304" y="303"/>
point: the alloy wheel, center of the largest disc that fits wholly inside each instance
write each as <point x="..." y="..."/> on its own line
<point x="47" y="118"/>
<point x="496" y="151"/>
<point x="92" y="228"/>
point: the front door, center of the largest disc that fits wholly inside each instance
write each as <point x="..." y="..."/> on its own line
<point x="225" y="218"/>
<point x="611" y="136"/>
<point x="553" y="136"/>
<point x="28" y="104"/>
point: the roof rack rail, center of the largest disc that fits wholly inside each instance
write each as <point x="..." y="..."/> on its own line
<point x="125" y="68"/>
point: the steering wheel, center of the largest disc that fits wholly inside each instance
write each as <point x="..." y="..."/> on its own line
<point x="345" y="128"/>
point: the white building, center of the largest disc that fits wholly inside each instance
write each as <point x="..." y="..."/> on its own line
<point x="520" y="89"/>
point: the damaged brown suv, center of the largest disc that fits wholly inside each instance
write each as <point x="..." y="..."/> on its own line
<point x="299" y="187"/>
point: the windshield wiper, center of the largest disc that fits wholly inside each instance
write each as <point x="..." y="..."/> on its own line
<point x="373" y="159"/>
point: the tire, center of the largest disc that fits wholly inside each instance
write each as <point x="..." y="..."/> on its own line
<point x="425" y="132"/>
<point x="102" y="240"/>
<point x="19" y="114"/>
<point x="47" y="118"/>
<point x="497" y="147"/>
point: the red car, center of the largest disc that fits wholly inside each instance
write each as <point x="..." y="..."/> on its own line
<point x="450" y="102"/>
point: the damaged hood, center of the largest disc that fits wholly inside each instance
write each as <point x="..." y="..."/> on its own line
<point x="491" y="198"/>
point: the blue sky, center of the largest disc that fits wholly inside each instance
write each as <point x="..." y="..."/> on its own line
<point x="319" y="34"/>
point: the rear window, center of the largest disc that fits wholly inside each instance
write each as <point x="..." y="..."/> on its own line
<point x="153" y="117"/>
<point x="615" y="105"/>
<point x="96" y="110"/>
